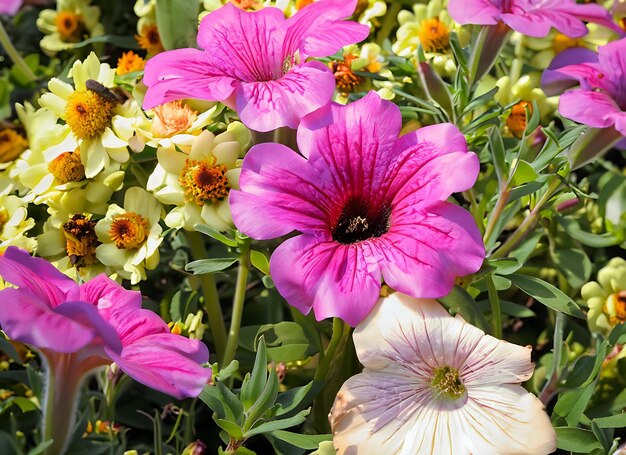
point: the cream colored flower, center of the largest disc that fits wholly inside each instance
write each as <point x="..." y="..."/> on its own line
<point x="131" y="235"/>
<point x="434" y="384"/>
<point x="102" y="125"/>
<point x="73" y="21"/>
<point x="606" y="297"/>
<point x="198" y="183"/>
<point x="14" y="222"/>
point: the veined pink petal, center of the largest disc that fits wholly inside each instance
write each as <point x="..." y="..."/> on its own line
<point x="482" y="12"/>
<point x="538" y="22"/>
<point x="595" y="109"/>
<point x="36" y="275"/>
<point x="102" y="292"/>
<point x="184" y="73"/>
<point x="166" y="362"/>
<point x="264" y="106"/>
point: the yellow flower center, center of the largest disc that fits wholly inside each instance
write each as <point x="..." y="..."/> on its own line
<point x="202" y="182"/>
<point x="618" y="301"/>
<point x="247" y="4"/>
<point x="129" y="230"/>
<point x="71" y="26"/>
<point x="12" y="144"/>
<point x="88" y="113"/>
<point x="562" y="42"/>
<point x="172" y="118"/>
<point x="345" y="78"/>
<point x="149" y="39"/>
<point x="80" y="240"/>
<point x="446" y="384"/>
<point x="129" y="62"/>
<point x="516" y="121"/>
<point x="302" y="3"/>
<point x="434" y="35"/>
<point x="67" y="167"/>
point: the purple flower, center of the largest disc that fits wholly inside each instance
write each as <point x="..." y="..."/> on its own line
<point x="255" y="62"/>
<point x="600" y="98"/>
<point x="369" y="205"/>
<point x="532" y="17"/>
<point x="10" y="7"/>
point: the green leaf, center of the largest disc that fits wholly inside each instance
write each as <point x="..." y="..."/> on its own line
<point x="616" y="421"/>
<point x="260" y="261"/>
<point x="125" y="42"/>
<point x="612" y="202"/>
<point x="209" y="265"/>
<point x="212" y="397"/>
<point x="40" y="448"/>
<point x="524" y="173"/>
<point x="304" y="441"/>
<point x="207" y="230"/>
<point x="253" y="388"/>
<point x="231" y="428"/>
<point x="459" y="301"/>
<point x="264" y="402"/>
<point x="587" y="238"/>
<point x="572" y="403"/>
<point x="290" y="400"/>
<point x="574" y="265"/>
<point x="509" y="308"/>
<point x="496" y="145"/>
<point x="178" y="23"/>
<point x="576" y="440"/>
<point x="274" y="425"/>
<point x="286" y="341"/>
<point x="232" y="405"/>
<point x="547" y="294"/>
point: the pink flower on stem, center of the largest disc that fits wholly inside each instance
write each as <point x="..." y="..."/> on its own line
<point x="78" y="328"/>
<point x="369" y="205"/>
<point x="256" y="62"/>
<point x="10" y="7"/>
<point x="532" y="17"/>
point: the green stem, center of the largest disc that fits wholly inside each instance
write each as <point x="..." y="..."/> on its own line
<point x="503" y="199"/>
<point x="496" y="312"/>
<point x="324" y="363"/>
<point x="211" y="298"/>
<point x="528" y="224"/>
<point x="389" y="23"/>
<point x="14" y="55"/>
<point x="238" y="300"/>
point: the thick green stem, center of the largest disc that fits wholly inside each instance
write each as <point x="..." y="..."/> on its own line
<point x="211" y="298"/>
<point x="324" y="363"/>
<point x="238" y="300"/>
<point x="14" y="55"/>
<point x="496" y="313"/>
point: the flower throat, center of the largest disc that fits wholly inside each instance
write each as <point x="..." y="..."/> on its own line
<point x="356" y="222"/>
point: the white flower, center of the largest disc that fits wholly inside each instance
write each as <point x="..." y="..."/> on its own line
<point x="434" y="384"/>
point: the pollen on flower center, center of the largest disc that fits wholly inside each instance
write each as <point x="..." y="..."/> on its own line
<point x="67" y="167"/>
<point x="516" y="121"/>
<point x="345" y="78"/>
<point x="356" y="222"/>
<point x="204" y="183"/>
<point x="88" y="113"/>
<point x="446" y="384"/>
<point x="80" y="239"/>
<point x="434" y="35"/>
<point x="12" y="144"/>
<point x="618" y="301"/>
<point x="71" y="26"/>
<point x="172" y="118"/>
<point x="128" y="230"/>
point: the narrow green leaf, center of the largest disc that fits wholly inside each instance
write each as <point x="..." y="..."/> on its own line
<point x="274" y="425"/>
<point x="576" y="440"/>
<point x="616" y="421"/>
<point x="547" y="294"/>
<point x="209" y="265"/>
<point x="207" y="230"/>
<point x="260" y="261"/>
<point x="304" y="441"/>
<point x="258" y="378"/>
<point x="587" y="238"/>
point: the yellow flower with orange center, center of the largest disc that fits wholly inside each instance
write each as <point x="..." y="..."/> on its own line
<point x="129" y="62"/>
<point x="12" y="144"/>
<point x="434" y="35"/>
<point x="71" y="26"/>
<point x="67" y="167"/>
<point x="149" y="39"/>
<point x="88" y="113"/>
<point x="14" y="223"/>
<point x="606" y="297"/>
<point x="131" y="235"/>
<point x="80" y="240"/>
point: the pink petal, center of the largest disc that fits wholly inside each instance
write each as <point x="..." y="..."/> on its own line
<point x="612" y="59"/>
<point x="279" y="194"/>
<point x="10" y="7"/>
<point x="87" y="315"/>
<point x="595" y="109"/>
<point x="538" y="22"/>
<point x="184" y="73"/>
<point x="168" y="363"/>
<point x="103" y="292"/>
<point x="483" y="12"/>
<point x="36" y="275"/>
<point x="421" y="255"/>
<point x="264" y="106"/>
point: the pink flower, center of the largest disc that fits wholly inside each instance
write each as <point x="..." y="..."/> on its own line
<point x="600" y="99"/>
<point x="369" y="205"/>
<point x="10" y="7"/>
<point x="255" y="62"/>
<point x="434" y="384"/>
<point x="532" y="17"/>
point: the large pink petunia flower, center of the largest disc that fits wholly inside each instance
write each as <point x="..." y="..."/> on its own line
<point x="255" y="62"/>
<point x="600" y="98"/>
<point x="78" y="328"/>
<point x="369" y="205"/>
<point x="532" y="17"/>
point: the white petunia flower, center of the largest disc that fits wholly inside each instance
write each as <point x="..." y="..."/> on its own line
<point x="434" y="384"/>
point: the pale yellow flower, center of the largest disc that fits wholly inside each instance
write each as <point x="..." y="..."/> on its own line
<point x="14" y="223"/>
<point x="606" y="297"/>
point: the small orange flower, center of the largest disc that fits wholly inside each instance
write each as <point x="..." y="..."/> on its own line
<point x="345" y="78"/>
<point x="516" y="121"/>
<point x="129" y="62"/>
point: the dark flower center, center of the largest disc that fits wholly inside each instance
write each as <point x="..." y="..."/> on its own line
<point x="357" y="222"/>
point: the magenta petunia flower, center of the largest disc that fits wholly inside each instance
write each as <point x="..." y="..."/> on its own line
<point x="10" y="7"/>
<point x="368" y="205"/>
<point x="78" y="328"/>
<point x="532" y="17"/>
<point x="600" y="99"/>
<point x="256" y="62"/>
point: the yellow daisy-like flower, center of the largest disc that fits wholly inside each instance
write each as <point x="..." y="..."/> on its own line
<point x="131" y="235"/>
<point x="102" y="123"/>
<point x="73" y="21"/>
<point x="606" y="297"/>
<point x="14" y="222"/>
<point x="129" y="62"/>
<point x="198" y="183"/>
<point x="429" y="25"/>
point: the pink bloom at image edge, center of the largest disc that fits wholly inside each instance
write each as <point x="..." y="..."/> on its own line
<point x="10" y="7"/>
<point x="532" y="18"/>
<point x="255" y="62"/>
<point x="99" y="322"/>
<point x="369" y="205"/>
<point x="600" y="100"/>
